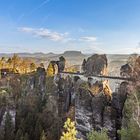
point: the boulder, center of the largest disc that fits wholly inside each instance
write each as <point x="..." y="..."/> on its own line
<point x="96" y="65"/>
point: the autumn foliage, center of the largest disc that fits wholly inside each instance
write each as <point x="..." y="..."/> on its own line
<point x="70" y="131"/>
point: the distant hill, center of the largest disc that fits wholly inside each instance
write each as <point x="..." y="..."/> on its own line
<point x="35" y="55"/>
<point x="45" y="55"/>
<point x="73" y="54"/>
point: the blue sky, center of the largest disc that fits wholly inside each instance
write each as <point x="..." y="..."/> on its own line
<point x="91" y="26"/>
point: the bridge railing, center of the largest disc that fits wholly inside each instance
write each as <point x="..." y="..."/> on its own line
<point x="101" y="76"/>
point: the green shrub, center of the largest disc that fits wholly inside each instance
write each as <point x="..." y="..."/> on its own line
<point x="94" y="135"/>
<point x="132" y="132"/>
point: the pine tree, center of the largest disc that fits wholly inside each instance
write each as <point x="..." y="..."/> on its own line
<point x="50" y="70"/>
<point x="38" y="130"/>
<point x="43" y="136"/>
<point x="19" y="134"/>
<point x="61" y="64"/>
<point x="2" y="62"/>
<point x="84" y="65"/>
<point x="26" y="137"/>
<point x="15" y="61"/>
<point x="94" y="135"/>
<point x="9" y="62"/>
<point x="32" y="67"/>
<point x="8" y="128"/>
<point x="70" y="131"/>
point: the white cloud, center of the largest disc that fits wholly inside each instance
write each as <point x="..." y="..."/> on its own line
<point x="45" y="33"/>
<point x="88" y="38"/>
<point x="26" y="29"/>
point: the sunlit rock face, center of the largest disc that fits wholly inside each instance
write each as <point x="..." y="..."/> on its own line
<point x="95" y="87"/>
<point x="97" y="111"/>
<point x="96" y="65"/>
<point x="56" y="67"/>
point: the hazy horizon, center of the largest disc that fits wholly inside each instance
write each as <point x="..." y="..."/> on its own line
<point x="57" y="53"/>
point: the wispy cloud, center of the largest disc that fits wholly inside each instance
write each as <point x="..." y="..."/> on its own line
<point x="45" y="33"/>
<point x="39" y="6"/>
<point x="88" y="38"/>
<point x="32" y="10"/>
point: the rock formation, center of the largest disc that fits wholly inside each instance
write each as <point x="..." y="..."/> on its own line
<point x="95" y="106"/>
<point x="56" y="67"/>
<point x="91" y="104"/>
<point x="35" y="82"/>
<point x="96" y="111"/>
<point x="95" y="65"/>
<point x="126" y="70"/>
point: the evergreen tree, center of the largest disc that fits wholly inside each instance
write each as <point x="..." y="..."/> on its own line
<point x="9" y="62"/>
<point x="50" y="70"/>
<point x="38" y="130"/>
<point x="41" y="65"/>
<point x="70" y="131"/>
<point x="2" y="62"/>
<point x="1" y="134"/>
<point x="19" y="134"/>
<point x="32" y="67"/>
<point x="84" y="65"/>
<point x="94" y="135"/>
<point x="8" y="128"/>
<point x="61" y="64"/>
<point x="61" y="58"/>
<point x="43" y="136"/>
<point x="21" y="138"/>
<point x="15" y="62"/>
<point x="26" y="137"/>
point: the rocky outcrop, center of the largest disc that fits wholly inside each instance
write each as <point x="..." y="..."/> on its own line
<point x="126" y="71"/>
<point x="56" y="67"/>
<point x="35" y="82"/>
<point x="97" y="112"/>
<point x="90" y="104"/>
<point x="61" y="64"/>
<point x="83" y="113"/>
<point x="95" y="65"/>
<point x="93" y="105"/>
<point x="91" y="110"/>
<point x="131" y="106"/>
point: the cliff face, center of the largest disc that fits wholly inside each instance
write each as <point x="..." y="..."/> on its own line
<point x="20" y="89"/>
<point x="131" y="107"/>
<point x="34" y="83"/>
<point x="91" y="111"/>
<point x="103" y="113"/>
<point x="91" y="104"/>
